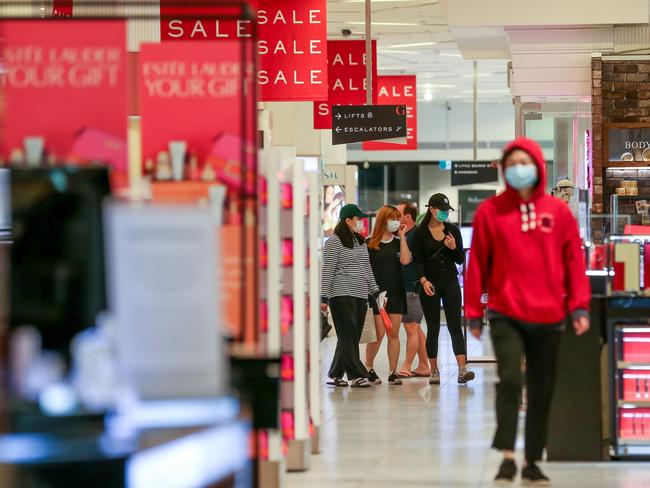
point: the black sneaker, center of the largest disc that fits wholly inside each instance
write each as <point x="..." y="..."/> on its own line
<point x="373" y="378"/>
<point x="532" y="475"/>
<point x="394" y="379"/>
<point x="507" y="472"/>
<point x="360" y="383"/>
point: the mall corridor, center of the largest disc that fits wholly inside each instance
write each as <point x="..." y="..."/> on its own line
<point x="414" y="436"/>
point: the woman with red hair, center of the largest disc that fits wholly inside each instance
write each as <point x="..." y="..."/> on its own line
<point x="388" y="253"/>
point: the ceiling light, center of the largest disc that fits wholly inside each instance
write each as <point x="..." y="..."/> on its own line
<point x="451" y="55"/>
<point x="428" y="96"/>
<point x="437" y="85"/>
<point x="412" y="44"/>
<point x="390" y="51"/>
<point x="397" y="24"/>
<point x="480" y="75"/>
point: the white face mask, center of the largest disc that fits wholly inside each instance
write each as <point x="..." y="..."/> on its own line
<point x="393" y="225"/>
<point x="358" y="226"/>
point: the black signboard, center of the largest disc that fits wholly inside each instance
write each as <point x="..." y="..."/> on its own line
<point x="469" y="200"/>
<point x="471" y="172"/>
<point x="629" y="144"/>
<point x="358" y="123"/>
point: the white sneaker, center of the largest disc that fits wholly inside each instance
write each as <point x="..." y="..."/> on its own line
<point x="360" y="383"/>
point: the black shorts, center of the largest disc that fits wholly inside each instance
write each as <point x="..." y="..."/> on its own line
<point x="395" y="304"/>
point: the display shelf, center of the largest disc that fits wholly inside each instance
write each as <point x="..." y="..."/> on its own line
<point x="628" y="164"/>
<point x="632" y="365"/>
<point x="633" y="404"/>
<point x="634" y="442"/>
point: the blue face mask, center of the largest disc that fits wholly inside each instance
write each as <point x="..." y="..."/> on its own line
<point x="442" y="215"/>
<point x="521" y="176"/>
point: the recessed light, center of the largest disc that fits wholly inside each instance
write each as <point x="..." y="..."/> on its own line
<point x="412" y="44"/>
<point x="428" y="96"/>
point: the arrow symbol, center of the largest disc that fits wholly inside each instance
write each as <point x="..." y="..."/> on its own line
<point x="338" y="116"/>
<point x="338" y="130"/>
<point x="399" y="128"/>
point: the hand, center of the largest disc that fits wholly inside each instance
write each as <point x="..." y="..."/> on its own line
<point x="402" y="231"/>
<point x="428" y="288"/>
<point x="450" y="242"/>
<point x="476" y="332"/>
<point x="381" y="300"/>
<point x="581" y="325"/>
<point x="324" y="308"/>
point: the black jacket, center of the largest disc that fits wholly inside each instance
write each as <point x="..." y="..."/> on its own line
<point x="433" y="259"/>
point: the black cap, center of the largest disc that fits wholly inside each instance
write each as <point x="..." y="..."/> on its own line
<point x="439" y="201"/>
<point x="351" y="210"/>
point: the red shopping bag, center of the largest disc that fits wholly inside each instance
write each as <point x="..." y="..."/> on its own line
<point x="386" y="319"/>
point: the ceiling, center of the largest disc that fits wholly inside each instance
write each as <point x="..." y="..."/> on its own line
<point x="413" y="38"/>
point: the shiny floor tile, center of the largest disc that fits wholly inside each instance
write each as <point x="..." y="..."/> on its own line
<point x="416" y="435"/>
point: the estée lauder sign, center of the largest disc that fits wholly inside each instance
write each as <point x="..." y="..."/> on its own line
<point x="291" y="41"/>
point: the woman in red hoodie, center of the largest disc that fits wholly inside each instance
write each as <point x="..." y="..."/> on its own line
<point x="527" y="255"/>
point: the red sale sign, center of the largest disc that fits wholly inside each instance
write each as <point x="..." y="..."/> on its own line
<point x="193" y="92"/>
<point x="62" y="9"/>
<point x="291" y="43"/>
<point x="60" y="89"/>
<point x="347" y="83"/>
<point x="398" y="90"/>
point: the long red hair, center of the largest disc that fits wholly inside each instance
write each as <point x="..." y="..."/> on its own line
<point x="386" y="213"/>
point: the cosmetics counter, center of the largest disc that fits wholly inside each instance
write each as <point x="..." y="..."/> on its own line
<point x="601" y="409"/>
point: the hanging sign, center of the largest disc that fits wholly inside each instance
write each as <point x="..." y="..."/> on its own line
<point x="346" y="78"/>
<point x="58" y="89"/>
<point x="62" y="9"/>
<point x="471" y="172"/>
<point x="396" y="90"/>
<point x="291" y="41"/>
<point x="358" y="123"/>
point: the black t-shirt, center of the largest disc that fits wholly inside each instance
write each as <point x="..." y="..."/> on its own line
<point x="433" y="259"/>
<point x="386" y="266"/>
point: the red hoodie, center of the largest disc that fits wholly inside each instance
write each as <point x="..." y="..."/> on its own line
<point x="528" y="256"/>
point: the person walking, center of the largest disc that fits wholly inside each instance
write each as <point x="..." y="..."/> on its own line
<point x="437" y="249"/>
<point x="415" y="338"/>
<point x="346" y="283"/>
<point x="388" y="254"/>
<point x="527" y="254"/>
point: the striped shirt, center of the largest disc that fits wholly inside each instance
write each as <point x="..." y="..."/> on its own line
<point x="346" y="272"/>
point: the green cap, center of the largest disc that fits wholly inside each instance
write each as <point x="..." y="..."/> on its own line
<point x="351" y="210"/>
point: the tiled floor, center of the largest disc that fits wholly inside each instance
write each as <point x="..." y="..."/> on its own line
<point x="420" y="436"/>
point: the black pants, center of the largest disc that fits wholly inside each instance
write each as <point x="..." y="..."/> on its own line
<point x="539" y="345"/>
<point x="449" y="292"/>
<point x="348" y="314"/>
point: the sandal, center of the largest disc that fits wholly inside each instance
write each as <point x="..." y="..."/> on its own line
<point x="405" y="375"/>
<point x="415" y="374"/>
<point x="338" y="382"/>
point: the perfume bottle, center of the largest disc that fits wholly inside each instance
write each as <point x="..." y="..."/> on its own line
<point x="163" y="167"/>
<point x="208" y="173"/>
<point x="194" y="172"/>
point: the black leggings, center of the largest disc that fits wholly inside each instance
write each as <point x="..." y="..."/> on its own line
<point x="449" y="292"/>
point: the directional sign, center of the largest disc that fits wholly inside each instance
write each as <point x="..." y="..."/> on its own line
<point x="472" y="172"/>
<point x="358" y="123"/>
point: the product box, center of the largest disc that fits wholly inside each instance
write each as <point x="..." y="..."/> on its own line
<point x="634" y="423"/>
<point x="620" y="191"/>
<point x="636" y="347"/>
<point x="632" y="192"/>
<point x="636" y="385"/>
